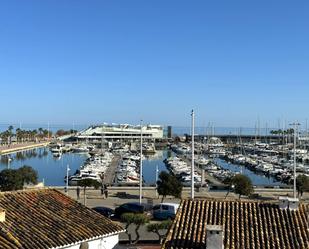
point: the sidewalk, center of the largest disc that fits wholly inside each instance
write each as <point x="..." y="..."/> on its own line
<point x="5" y="149"/>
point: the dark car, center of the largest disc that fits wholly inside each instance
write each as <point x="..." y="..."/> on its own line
<point x="133" y="207"/>
<point x="107" y="212"/>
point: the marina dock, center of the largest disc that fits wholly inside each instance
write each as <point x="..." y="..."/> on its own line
<point x="212" y="180"/>
<point x="110" y="172"/>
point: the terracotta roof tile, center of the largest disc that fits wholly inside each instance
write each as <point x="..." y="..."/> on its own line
<point x="246" y="224"/>
<point x="47" y="218"/>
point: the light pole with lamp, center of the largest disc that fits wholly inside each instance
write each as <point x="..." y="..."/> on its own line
<point x="141" y="166"/>
<point x="295" y="124"/>
<point x="67" y="182"/>
<point x="192" y="156"/>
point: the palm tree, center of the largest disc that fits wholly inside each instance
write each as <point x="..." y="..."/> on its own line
<point x="10" y="129"/>
<point x="34" y="133"/>
<point x="18" y="134"/>
<point x="84" y="183"/>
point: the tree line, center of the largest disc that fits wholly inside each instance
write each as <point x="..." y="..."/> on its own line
<point x="23" y="135"/>
<point x="282" y="132"/>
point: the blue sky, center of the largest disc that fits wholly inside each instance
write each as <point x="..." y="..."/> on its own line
<point x="120" y="61"/>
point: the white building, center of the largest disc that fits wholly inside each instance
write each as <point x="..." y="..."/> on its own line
<point x="118" y="132"/>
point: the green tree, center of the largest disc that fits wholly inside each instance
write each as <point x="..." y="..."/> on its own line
<point x="84" y="183"/>
<point x="138" y="220"/>
<point x="28" y="174"/>
<point x="157" y="227"/>
<point x="10" y="131"/>
<point x="302" y="184"/>
<point x="14" y="179"/>
<point x="242" y="185"/>
<point x="61" y="132"/>
<point x="34" y="134"/>
<point x="168" y="185"/>
<point x="40" y="130"/>
<point x="18" y="134"/>
<point x="128" y="219"/>
<point x="10" y="180"/>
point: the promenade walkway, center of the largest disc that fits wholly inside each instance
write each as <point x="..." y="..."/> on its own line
<point x="110" y="172"/>
<point x="5" y="149"/>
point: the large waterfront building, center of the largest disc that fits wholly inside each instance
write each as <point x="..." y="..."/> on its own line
<point x="115" y="132"/>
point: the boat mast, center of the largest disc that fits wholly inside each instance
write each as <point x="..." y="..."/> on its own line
<point x="192" y="156"/>
<point x="48" y="131"/>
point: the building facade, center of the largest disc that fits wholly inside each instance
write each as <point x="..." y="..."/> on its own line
<point x="120" y="132"/>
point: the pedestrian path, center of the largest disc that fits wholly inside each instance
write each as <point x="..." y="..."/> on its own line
<point x="20" y="147"/>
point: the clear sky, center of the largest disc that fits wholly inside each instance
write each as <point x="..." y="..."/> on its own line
<point x="68" y="61"/>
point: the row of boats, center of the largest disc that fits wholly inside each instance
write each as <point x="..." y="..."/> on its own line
<point x="273" y="159"/>
<point x="182" y="170"/>
<point x="128" y="169"/>
<point x="58" y="149"/>
<point x="279" y="168"/>
<point x="94" y="168"/>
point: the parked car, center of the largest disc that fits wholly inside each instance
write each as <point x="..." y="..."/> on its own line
<point x="107" y="212"/>
<point x="133" y="207"/>
<point x="165" y="211"/>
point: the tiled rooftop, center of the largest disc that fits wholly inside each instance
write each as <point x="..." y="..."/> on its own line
<point x="47" y="218"/>
<point x="246" y="224"/>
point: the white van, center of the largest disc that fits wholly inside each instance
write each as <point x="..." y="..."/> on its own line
<point x="165" y="211"/>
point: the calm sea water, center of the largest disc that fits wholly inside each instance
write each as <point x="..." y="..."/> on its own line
<point x="53" y="170"/>
<point x="50" y="169"/>
<point x="257" y="179"/>
<point x="150" y="166"/>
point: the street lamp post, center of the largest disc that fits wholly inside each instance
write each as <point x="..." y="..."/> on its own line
<point x="157" y="171"/>
<point x="141" y="166"/>
<point x="192" y="156"/>
<point x="67" y="182"/>
<point x="295" y="124"/>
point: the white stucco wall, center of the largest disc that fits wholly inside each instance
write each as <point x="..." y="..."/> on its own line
<point x="103" y="243"/>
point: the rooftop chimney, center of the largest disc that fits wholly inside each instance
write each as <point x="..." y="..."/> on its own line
<point x="2" y="215"/>
<point x="214" y="237"/>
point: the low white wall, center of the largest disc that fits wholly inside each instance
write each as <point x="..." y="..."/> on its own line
<point x="104" y="243"/>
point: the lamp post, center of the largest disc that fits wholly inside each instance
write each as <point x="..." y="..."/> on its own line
<point x="192" y="156"/>
<point x="141" y="166"/>
<point x="67" y="182"/>
<point x="295" y="124"/>
<point x="157" y="171"/>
